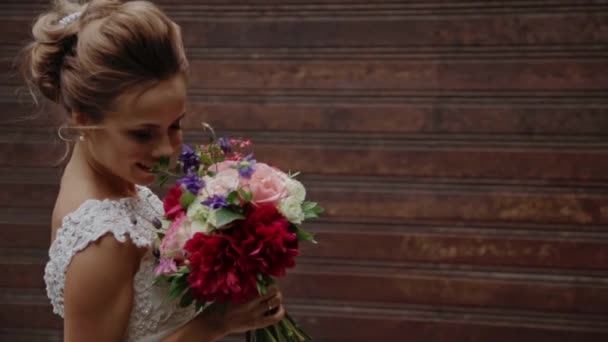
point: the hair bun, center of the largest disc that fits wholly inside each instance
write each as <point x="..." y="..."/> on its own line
<point x="42" y="59"/>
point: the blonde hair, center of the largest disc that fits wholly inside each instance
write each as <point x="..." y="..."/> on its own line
<point x="111" y="48"/>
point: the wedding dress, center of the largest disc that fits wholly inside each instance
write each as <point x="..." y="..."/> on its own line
<point x="153" y="316"/>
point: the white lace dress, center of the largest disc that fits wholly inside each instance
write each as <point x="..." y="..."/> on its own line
<point x="153" y="316"/>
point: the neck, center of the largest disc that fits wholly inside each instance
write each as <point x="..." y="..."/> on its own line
<point x="108" y="184"/>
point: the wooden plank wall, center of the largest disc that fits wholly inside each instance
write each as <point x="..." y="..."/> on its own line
<point x="459" y="147"/>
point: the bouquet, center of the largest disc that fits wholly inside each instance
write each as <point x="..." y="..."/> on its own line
<point x="231" y="226"/>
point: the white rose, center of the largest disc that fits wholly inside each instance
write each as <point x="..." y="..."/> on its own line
<point x="199" y="216"/>
<point x="296" y="189"/>
<point x="291" y="208"/>
<point x="222" y="183"/>
<point x="212" y="218"/>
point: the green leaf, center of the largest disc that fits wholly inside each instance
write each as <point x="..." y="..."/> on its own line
<point x="163" y="162"/>
<point x="187" y="199"/>
<point x="162" y="180"/>
<point x="286" y="328"/>
<point x="278" y="334"/>
<point x="247" y="196"/>
<point x="268" y="280"/>
<point x="178" y="285"/>
<point x="187" y="299"/>
<point x="183" y="270"/>
<point x="162" y="279"/>
<point x="268" y="336"/>
<point x="311" y="209"/>
<point x="304" y="236"/>
<point x="232" y="198"/>
<point x="308" y="205"/>
<point x="224" y="216"/>
<point x="262" y="289"/>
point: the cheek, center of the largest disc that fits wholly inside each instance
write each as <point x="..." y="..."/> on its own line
<point x="135" y="152"/>
<point x="177" y="140"/>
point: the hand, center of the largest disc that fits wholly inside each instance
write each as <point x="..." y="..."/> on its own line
<point x="258" y="313"/>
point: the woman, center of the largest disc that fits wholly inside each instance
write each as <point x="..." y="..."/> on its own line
<point x="119" y="70"/>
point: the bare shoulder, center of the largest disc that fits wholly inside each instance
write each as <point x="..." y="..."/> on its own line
<point x="98" y="292"/>
<point x="72" y="194"/>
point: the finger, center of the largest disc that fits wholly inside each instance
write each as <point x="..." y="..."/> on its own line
<point x="273" y="319"/>
<point x="272" y="292"/>
<point x="253" y="304"/>
<point x="268" y="306"/>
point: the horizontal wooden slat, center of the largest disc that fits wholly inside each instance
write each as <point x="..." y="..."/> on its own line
<point x="399" y="244"/>
<point x="506" y="207"/>
<point x="394" y="201"/>
<point x="497" y="118"/>
<point x="392" y="286"/>
<point x="27" y="309"/>
<point x="493" y="29"/>
<point x="34" y="155"/>
<point x="28" y="335"/>
<point x="421" y="161"/>
<point x="331" y="323"/>
<point x="358" y="155"/>
<point x="343" y="327"/>
<point x="22" y="276"/>
<point x="341" y="8"/>
<point x="404" y="118"/>
<point x="390" y="201"/>
<point x="24" y="113"/>
<point x="368" y="243"/>
<point x="505" y="75"/>
<point x="25" y="235"/>
<point x="538" y="293"/>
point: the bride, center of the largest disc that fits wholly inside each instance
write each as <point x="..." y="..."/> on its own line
<point x="120" y="71"/>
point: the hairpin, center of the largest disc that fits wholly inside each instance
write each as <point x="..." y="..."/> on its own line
<point x="68" y="19"/>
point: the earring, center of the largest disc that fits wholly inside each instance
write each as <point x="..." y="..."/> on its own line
<point x="81" y="137"/>
<point x="64" y="133"/>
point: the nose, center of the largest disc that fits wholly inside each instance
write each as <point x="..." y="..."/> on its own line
<point x="164" y="148"/>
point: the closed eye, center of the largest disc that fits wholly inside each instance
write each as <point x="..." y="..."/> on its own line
<point x="142" y="135"/>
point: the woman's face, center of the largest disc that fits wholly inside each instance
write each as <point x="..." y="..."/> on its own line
<point x="146" y="127"/>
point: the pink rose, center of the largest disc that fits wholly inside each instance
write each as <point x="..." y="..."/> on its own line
<point x="267" y="185"/>
<point x="173" y="242"/>
<point x="222" y="183"/>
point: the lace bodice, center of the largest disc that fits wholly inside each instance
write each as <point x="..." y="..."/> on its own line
<point x="152" y="315"/>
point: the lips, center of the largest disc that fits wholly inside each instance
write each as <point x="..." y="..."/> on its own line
<point x="144" y="167"/>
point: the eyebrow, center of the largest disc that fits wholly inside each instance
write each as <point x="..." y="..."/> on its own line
<point x="151" y="125"/>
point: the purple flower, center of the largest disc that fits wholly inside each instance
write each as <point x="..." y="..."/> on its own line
<point x="192" y="182"/>
<point x="216" y="202"/>
<point x="246" y="167"/>
<point x="224" y="144"/>
<point x="165" y="267"/>
<point x="189" y="159"/>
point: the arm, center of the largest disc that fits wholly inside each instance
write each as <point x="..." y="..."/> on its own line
<point x="98" y="292"/>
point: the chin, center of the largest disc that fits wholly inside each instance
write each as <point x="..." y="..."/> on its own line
<point x="145" y="181"/>
<point x="141" y="177"/>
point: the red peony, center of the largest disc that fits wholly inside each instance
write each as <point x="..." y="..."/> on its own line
<point x="216" y="271"/>
<point x="171" y="202"/>
<point x="269" y="247"/>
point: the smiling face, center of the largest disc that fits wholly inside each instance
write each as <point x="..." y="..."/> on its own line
<point x="145" y="127"/>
